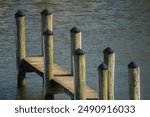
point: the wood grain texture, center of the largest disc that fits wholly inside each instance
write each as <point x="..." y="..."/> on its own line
<point x="21" y="47"/>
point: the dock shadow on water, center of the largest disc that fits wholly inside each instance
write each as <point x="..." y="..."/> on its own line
<point x="25" y="93"/>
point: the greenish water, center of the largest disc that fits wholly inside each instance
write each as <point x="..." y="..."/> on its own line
<point x="123" y="25"/>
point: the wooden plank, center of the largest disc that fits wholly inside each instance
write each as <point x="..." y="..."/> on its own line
<point x="68" y="83"/>
<point x="36" y="64"/>
<point x="31" y="63"/>
<point x="62" y="77"/>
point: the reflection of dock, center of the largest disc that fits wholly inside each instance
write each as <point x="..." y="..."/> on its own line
<point x="55" y="78"/>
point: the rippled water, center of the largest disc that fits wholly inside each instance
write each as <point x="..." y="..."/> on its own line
<point x="123" y="25"/>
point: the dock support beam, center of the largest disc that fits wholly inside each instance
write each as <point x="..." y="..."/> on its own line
<point x="103" y="76"/>
<point x="75" y="36"/>
<point x="21" y="47"/>
<point x="134" y="81"/>
<point x="48" y="64"/>
<point x="109" y="60"/>
<point x="46" y="23"/>
<point x="80" y="75"/>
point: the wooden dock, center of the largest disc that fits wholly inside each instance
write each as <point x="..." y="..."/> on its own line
<point x="62" y="78"/>
<point x="55" y="78"/>
<point x="58" y="80"/>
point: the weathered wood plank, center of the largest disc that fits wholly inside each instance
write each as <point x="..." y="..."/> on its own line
<point x="36" y="64"/>
<point x="68" y="83"/>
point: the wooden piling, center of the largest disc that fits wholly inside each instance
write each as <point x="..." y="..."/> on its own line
<point x="134" y="81"/>
<point x="103" y="76"/>
<point x="21" y="47"/>
<point x="109" y="60"/>
<point x="46" y="23"/>
<point x="48" y="63"/>
<point x="75" y="36"/>
<point x="80" y="75"/>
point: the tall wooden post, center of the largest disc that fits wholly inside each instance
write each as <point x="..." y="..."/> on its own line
<point x="46" y="23"/>
<point x="48" y="63"/>
<point x="21" y="47"/>
<point x="80" y="75"/>
<point x="75" y="36"/>
<point x="134" y="81"/>
<point x="103" y="76"/>
<point x="109" y="60"/>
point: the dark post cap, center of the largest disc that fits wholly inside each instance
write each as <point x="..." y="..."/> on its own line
<point x="45" y="12"/>
<point x="79" y="52"/>
<point x="19" y="14"/>
<point x="103" y="66"/>
<point x="132" y="65"/>
<point x="108" y="50"/>
<point x="47" y="33"/>
<point x="75" y="30"/>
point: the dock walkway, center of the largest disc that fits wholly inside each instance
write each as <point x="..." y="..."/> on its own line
<point x="62" y="78"/>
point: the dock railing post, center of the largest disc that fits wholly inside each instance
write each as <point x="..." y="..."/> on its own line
<point x="109" y="60"/>
<point x="46" y="23"/>
<point x="48" y="63"/>
<point x="80" y="75"/>
<point x="134" y="81"/>
<point x="103" y="76"/>
<point x="21" y="47"/>
<point x="75" y="36"/>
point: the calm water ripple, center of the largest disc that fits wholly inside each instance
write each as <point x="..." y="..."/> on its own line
<point x="122" y="25"/>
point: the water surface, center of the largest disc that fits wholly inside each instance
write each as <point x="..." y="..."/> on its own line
<point x="123" y="25"/>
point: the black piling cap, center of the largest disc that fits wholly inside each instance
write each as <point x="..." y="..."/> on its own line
<point x="19" y="14"/>
<point x="45" y="12"/>
<point x="132" y="65"/>
<point x="47" y="33"/>
<point x="79" y="52"/>
<point x="74" y="30"/>
<point x="103" y="66"/>
<point x="108" y="50"/>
